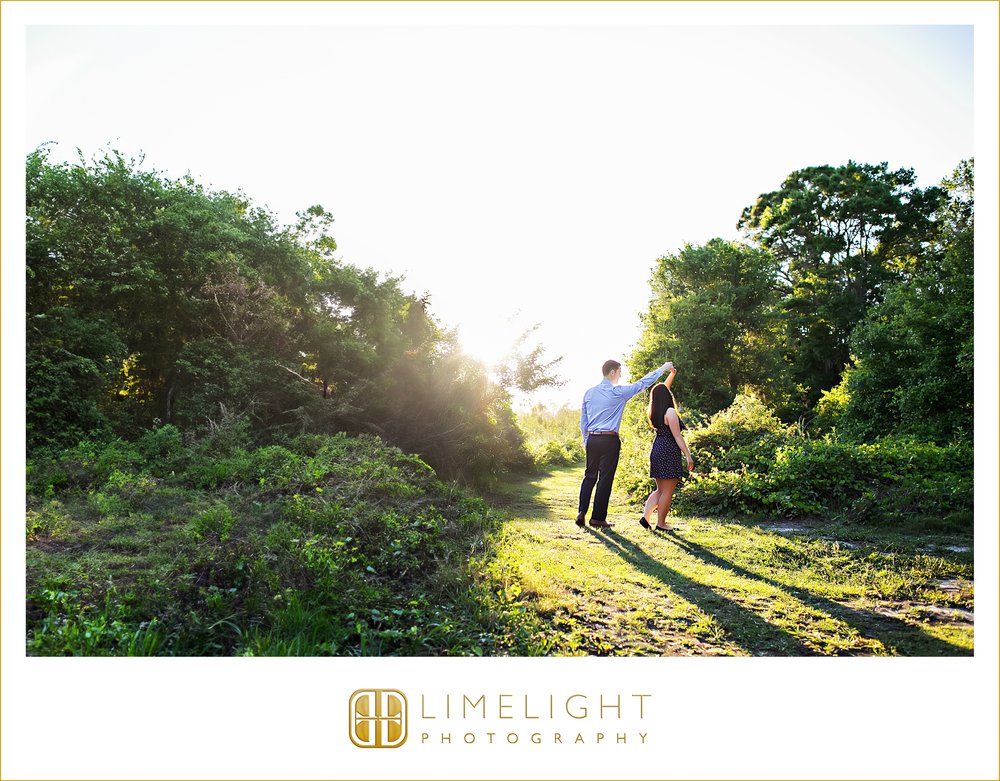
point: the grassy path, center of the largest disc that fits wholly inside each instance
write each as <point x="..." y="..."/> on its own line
<point x="719" y="587"/>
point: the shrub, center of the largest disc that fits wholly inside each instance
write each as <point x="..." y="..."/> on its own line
<point x="50" y="521"/>
<point x="217" y="520"/>
<point x="321" y="545"/>
<point x="892" y="480"/>
<point x="743" y="437"/>
<point x="552" y="437"/>
<point x="832" y="406"/>
<point x="737" y="493"/>
<point x="747" y="434"/>
<point x="161" y="446"/>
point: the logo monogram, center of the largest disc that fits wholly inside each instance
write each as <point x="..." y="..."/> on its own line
<point x="378" y="718"/>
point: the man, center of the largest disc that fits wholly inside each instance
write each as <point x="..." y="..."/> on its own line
<point x="600" y="417"/>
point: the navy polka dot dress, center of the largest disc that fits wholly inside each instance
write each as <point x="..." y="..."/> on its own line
<point x="665" y="456"/>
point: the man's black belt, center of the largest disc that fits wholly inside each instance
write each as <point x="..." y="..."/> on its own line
<point x="602" y="433"/>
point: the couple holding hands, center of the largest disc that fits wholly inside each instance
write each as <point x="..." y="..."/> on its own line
<point x="600" y="418"/>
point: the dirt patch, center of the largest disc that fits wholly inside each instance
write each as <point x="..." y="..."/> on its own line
<point x="47" y="544"/>
<point x="933" y="613"/>
<point x="786" y="527"/>
<point x="952" y="548"/>
<point x="951" y="614"/>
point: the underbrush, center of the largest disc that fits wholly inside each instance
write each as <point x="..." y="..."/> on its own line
<point x="552" y="437"/>
<point x="320" y="545"/>
<point x="747" y="463"/>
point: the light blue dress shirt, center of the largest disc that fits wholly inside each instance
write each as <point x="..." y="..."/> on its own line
<point x="604" y="404"/>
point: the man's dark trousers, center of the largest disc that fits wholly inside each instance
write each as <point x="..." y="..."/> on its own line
<point x="602" y="461"/>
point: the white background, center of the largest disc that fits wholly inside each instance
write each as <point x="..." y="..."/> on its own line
<point x="710" y="718"/>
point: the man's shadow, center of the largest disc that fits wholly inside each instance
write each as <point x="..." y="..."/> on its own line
<point x="742" y="626"/>
<point x="887" y="630"/>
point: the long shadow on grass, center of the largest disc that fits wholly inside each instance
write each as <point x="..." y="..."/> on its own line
<point x="891" y="632"/>
<point x="742" y="626"/>
<point x="519" y="496"/>
<point x="531" y="496"/>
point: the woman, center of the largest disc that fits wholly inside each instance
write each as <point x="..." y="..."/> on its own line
<point x="665" y="455"/>
<point x="654" y="497"/>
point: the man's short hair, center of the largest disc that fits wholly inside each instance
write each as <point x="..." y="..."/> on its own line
<point x="610" y="366"/>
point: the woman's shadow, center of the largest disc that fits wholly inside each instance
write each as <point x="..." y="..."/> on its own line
<point x="887" y="630"/>
<point x="742" y="626"/>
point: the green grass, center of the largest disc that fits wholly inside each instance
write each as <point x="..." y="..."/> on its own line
<point x="337" y="546"/>
<point x="723" y="587"/>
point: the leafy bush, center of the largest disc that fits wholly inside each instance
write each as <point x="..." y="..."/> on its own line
<point x="48" y="522"/>
<point x="747" y="434"/>
<point x="161" y="445"/>
<point x="743" y="436"/>
<point x="894" y="480"/>
<point x="321" y="545"/>
<point x="832" y="406"/>
<point x="552" y="437"/>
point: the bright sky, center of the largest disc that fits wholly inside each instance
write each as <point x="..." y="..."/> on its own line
<point x="522" y="172"/>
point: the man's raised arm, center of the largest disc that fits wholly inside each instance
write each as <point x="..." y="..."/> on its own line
<point x="628" y="391"/>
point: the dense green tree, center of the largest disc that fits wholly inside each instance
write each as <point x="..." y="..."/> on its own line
<point x="713" y="313"/>
<point x="152" y="300"/>
<point x="843" y="235"/>
<point x="163" y="264"/>
<point x="71" y="363"/>
<point x="914" y="371"/>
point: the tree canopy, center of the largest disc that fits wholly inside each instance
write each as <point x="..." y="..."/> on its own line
<point x="714" y="312"/>
<point x="853" y="301"/>
<point x="914" y="352"/>
<point x="842" y="235"/>
<point x="153" y="300"/>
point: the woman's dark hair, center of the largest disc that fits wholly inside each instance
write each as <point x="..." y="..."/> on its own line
<point x="660" y="400"/>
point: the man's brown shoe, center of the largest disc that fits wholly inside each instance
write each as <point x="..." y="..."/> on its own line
<point x="581" y="519"/>
<point x="601" y="524"/>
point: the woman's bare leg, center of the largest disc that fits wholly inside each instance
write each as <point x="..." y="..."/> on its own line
<point x="651" y="503"/>
<point x="666" y="491"/>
